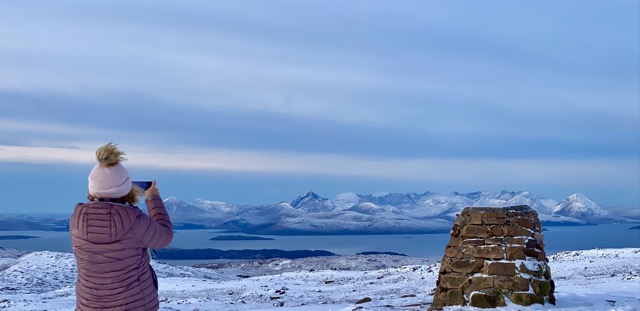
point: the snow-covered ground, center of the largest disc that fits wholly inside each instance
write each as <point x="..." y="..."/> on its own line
<point x="599" y="279"/>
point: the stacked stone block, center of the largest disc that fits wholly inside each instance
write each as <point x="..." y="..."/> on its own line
<point x="494" y="253"/>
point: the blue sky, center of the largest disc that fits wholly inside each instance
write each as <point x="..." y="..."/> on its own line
<point x="259" y="101"/>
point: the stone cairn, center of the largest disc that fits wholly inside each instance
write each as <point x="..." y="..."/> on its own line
<point x="495" y="253"/>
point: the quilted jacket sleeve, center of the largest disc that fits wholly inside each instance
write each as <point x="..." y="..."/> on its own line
<point x="154" y="230"/>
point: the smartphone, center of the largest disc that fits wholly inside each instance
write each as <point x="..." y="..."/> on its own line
<point x="144" y="184"/>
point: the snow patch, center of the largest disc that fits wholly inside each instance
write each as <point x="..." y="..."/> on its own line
<point x="348" y="197"/>
<point x="596" y="280"/>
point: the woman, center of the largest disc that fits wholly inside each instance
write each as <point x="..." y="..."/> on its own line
<point x="110" y="237"/>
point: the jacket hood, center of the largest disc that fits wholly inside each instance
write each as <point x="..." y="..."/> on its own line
<point x="105" y="222"/>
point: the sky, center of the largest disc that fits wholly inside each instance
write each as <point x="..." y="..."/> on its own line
<point x="257" y="102"/>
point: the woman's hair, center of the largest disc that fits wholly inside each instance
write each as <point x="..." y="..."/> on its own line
<point x="109" y="155"/>
<point x="132" y="196"/>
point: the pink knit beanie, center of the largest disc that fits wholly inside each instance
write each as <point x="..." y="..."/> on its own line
<point x="108" y="178"/>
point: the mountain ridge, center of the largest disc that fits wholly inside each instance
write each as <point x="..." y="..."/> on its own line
<point x="382" y="213"/>
<point x="352" y="213"/>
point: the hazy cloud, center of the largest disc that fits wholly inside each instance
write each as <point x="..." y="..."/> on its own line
<point x="558" y="172"/>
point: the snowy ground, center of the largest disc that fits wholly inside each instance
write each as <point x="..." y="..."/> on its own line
<point x="600" y="279"/>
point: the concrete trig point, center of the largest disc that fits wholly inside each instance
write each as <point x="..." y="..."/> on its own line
<point x="495" y="253"/>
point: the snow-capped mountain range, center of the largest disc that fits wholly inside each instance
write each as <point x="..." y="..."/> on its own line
<point x="378" y="213"/>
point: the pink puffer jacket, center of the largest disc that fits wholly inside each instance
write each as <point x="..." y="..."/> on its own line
<point x="110" y="242"/>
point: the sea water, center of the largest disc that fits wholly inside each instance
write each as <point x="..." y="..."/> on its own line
<point x="556" y="238"/>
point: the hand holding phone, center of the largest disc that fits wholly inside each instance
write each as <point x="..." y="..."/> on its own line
<point x="152" y="190"/>
<point x="143" y="184"/>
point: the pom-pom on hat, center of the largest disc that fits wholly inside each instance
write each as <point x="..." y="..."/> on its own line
<point x="108" y="178"/>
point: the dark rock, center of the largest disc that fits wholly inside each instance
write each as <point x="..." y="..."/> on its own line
<point x="363" y="300"/>
<point x="486" y="300"/>
<point x="526" y="299"/>
<point x="454" y="298"/>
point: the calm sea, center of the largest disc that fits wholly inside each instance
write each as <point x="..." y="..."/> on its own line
<point x="417" y="245"/>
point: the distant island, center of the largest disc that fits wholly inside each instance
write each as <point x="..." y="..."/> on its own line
<point x="210" y="253"/>
<point x="382" y="253"/>
<point x="240" y="238"/>
<point x="636" y="227"/>
<point x="18" y="237"/>
<point x="189" y="226"/>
